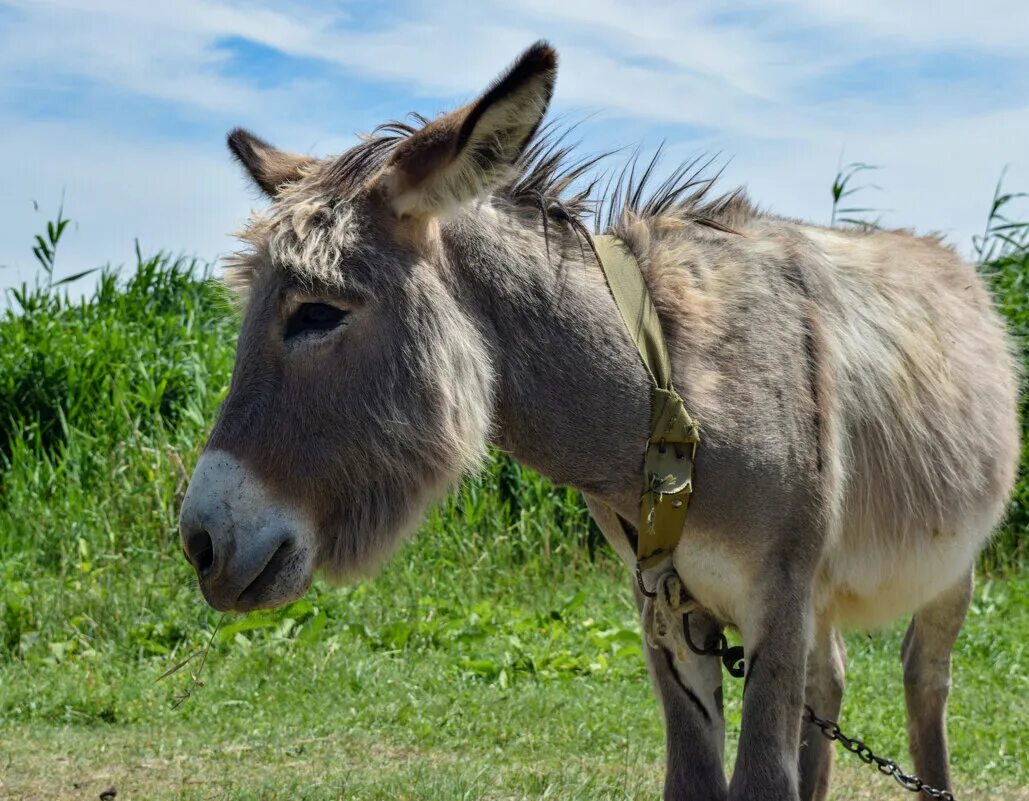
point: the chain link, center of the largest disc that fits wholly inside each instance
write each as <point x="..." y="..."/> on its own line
<point x="732" y="658"/>
<point x="831" y="731"/>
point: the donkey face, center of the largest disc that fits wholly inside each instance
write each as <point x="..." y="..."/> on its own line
<point x="362" y="389"/>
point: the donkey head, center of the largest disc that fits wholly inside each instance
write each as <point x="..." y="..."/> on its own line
<point x="362" y="389"/>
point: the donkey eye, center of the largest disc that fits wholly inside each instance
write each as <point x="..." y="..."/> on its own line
<point x="312" y="318"/>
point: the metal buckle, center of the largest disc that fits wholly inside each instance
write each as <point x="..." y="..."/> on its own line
<point x="669" y="470"/>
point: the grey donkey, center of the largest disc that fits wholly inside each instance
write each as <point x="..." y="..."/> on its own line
<point x="432" y="291"/>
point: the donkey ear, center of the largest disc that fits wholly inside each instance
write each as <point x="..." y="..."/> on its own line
<point x="269" y="167"/>
<point x="468" y="152"/>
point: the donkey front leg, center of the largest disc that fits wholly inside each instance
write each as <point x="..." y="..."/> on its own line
<point x="776" y="644"/>
<point x="926" y="656"/>
<point x="690" y="690"/>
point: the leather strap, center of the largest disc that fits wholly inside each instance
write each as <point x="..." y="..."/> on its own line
<point x="674" y="434"/>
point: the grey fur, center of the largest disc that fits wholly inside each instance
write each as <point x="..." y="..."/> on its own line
<point x="856" y="393"/>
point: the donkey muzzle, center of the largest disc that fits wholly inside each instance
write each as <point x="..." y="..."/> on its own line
<point x="249" y="550"/>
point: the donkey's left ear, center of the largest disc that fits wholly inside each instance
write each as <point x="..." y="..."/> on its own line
<point x="466" y="153"/>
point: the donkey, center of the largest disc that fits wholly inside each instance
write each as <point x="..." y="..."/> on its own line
<point x="434" y="290"/>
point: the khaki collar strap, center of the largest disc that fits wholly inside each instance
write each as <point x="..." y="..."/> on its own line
<point x="674" y="434"/>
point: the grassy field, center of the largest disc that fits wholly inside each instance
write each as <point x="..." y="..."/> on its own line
<point x="448" y="677"/>
<point x="497" y="657"/>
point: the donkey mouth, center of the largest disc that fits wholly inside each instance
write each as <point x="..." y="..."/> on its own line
<point x="249" y="550"/>
<point x="283" y="579"/>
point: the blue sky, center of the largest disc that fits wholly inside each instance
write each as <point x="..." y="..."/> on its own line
<point x="123" y="106"/>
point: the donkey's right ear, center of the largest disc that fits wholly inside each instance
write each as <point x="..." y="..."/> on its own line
<point x="269" y="167"/>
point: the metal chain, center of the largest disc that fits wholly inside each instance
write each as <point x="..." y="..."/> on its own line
<point x="831" y="731"/>
<point x="732" y="658"/>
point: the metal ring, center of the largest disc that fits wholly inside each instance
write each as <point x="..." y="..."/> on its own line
<point x="713" y="650"/>
<point x="733" y="661"/>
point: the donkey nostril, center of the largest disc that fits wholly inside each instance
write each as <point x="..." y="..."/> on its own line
<point x="205" y="558"/>
<point x="200" y="551"/>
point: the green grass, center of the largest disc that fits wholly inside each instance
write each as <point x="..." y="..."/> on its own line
<point x="467" y="680"/>
<point x="1009" y="276"/>
<point x="497" y="656"/>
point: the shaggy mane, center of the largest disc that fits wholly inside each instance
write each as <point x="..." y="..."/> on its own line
<point x="548" y="170"/>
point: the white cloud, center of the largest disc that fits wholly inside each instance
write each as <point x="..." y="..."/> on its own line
<point x="156" y="50"/>
<point x="168" y="196"/>
<point x="934" y="177"/>
<point x="752" y="79"/>
<point x="987" y="25"/>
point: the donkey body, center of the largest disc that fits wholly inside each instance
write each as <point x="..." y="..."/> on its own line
<point x="431" y="291"/>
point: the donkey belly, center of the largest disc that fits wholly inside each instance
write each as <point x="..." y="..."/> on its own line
<point x="869" y="580"/>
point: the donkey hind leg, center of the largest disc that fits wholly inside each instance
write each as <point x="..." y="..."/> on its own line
<point x="826" y="666"/>
<point x="926" y="657"/>
<point x="690" y="690"/>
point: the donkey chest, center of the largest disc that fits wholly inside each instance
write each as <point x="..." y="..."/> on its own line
<point x="715" y="574"/>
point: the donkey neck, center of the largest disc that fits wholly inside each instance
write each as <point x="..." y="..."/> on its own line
<point x="572" y="399"/>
